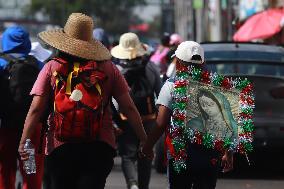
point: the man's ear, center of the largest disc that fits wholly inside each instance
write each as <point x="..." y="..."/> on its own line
<point x="175" y="60"/>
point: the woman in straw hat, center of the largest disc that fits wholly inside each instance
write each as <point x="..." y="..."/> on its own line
<point x="79" y="164"/>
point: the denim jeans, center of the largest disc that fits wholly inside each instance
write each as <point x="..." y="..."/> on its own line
<point x="133" y="167"/>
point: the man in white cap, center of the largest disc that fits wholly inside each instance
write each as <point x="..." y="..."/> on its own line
<point x="202" y="163"/>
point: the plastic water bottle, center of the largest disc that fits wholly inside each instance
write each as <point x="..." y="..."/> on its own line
<point x="30" y="165"/>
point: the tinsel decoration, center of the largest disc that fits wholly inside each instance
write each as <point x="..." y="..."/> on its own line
<point x="205" y="77"/>
<point x="196" y="73"/>
<point x="179" y="135"/>
<point x="217" y="80"/>
<point x="226" y="83"/>
<point x="219" y="145"/>
<point x="208" y="141"/>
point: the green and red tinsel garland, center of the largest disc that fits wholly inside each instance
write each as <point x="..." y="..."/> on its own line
<point x="179" y="134"/>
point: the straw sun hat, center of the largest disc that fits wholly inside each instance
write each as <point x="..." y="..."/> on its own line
<point x="129" y="47"/>
<point x="76" y="38"/>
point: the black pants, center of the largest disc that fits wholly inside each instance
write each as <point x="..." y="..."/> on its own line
<point x="79" y="165"/>
<point x="128" y="144"/>
<point x="202" y="170"/>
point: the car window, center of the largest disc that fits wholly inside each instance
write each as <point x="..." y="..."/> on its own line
<point x="247" y="69"/>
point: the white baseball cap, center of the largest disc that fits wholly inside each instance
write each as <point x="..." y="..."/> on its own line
<point x="187" y="50"/>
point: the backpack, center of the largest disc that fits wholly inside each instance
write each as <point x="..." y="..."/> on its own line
<point x="142" y="93"/>
<point x="16" y="82"/>
<point x="78" y="101"/>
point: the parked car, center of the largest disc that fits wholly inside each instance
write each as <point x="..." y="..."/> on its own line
<point x="264" y="66"/>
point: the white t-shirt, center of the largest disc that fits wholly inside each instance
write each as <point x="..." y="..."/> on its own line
<point x="165" y="96"/>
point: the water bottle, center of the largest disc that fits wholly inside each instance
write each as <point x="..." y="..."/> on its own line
<point x="29" y="164"/>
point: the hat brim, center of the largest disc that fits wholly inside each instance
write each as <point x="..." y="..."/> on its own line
<point x="92" y="50"/>
<point x="121" y="53"/>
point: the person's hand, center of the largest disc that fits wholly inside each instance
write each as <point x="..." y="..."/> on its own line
<point x="142" y="141"/>
<point x="227" y="162"/>
<point x="145" y="152"/>
<point x="117" y="131"/>
<point x="24" y="155"/>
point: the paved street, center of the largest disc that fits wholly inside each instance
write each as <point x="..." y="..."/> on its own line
<point x="158" y="181"/>
<point x="116" y="179"/>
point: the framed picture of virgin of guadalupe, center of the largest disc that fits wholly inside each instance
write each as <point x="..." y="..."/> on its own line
<point x="213" y="110"/>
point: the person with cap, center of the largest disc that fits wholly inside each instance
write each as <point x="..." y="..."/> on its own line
<point x="202" y="163"/>
<point x="18" y="72"/>
<point x="144" y="81"/>
<point x="80" y="147"/>
<point x="159" y="57"/>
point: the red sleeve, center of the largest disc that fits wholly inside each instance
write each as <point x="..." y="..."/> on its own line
<point x="42" y="85"/>
<point x="119" y="84"/>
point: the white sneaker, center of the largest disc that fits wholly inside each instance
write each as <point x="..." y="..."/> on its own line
<point x="134" y="186"/>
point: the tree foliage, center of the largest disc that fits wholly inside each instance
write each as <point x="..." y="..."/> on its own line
<point x="113" y="15"/>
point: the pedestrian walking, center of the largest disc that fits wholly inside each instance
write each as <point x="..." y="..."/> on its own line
<point x="145" y="83"/>
<point x="202" y="164"/>
<point x="159" y="57"/>
<point x="175" y="40"/>
<point x="18" y="72"/>
<point x="79" y="83"/>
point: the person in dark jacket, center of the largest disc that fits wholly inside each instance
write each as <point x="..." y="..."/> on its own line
<point x="143" y="79"/>
<point x="16" y="46"/>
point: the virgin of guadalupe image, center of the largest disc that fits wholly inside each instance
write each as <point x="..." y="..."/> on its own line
<point x="215" y="116"/>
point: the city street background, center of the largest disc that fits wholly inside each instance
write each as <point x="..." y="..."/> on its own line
<point x="213" y="23"/>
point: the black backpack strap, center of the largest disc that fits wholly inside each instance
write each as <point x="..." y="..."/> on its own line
<point x="6" y="57"/>
<point x="29" y="59"/>
<point x="10" y="59"/>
